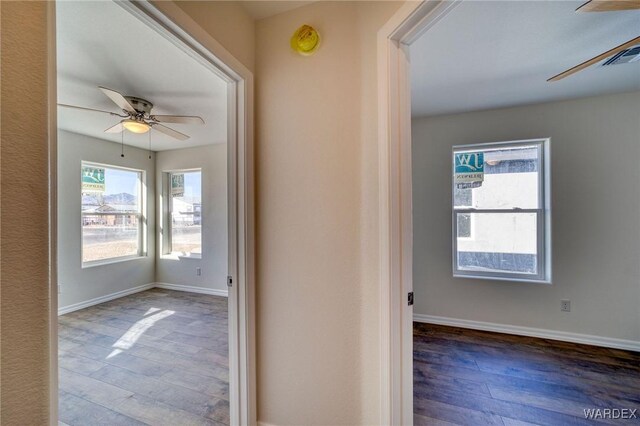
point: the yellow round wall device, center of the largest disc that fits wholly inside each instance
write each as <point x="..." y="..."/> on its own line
<point x="305" y="40"/>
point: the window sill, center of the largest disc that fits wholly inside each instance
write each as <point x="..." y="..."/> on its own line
<point x="175" y="256"/>
<point x="110" y="261"/>
<point x="498" y="278"/>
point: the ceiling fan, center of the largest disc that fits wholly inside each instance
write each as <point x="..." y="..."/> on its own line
<point x="603" y="6"/>
<point x="608" y="5"/>
<point x="137" y="117"/>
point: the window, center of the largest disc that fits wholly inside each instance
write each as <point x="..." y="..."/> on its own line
<point x="111" y="213"/>
<point x="185" y="212"/>
<point x="501" y="211"/>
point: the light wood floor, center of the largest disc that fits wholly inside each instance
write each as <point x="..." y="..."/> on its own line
<point x="468" y="377"/>
<point x="159" y="357"/>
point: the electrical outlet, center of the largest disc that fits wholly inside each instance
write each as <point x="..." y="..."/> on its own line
<point x="198" y="271"/>
<point x="565" y="305"/>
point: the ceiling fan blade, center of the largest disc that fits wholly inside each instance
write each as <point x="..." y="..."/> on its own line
<point x="115" y="129"/>
<point x="86" y="109"/>
<point x="180" y="119"/>
<point x="595" y="59"/>
<point x="609" y="5"/>
<point x="118" y="99"/>
<point x="170" y="132"/>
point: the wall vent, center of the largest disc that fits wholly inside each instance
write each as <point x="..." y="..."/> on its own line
<point x="626" y="56"/>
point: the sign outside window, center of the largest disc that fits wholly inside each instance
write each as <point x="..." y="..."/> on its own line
<point x="92" y="179"/>
<point x="469" y="169"/>
<point x="177" y="184"/>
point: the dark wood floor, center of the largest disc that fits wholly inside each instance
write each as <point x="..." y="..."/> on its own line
<point x="468" y="377"/>
<point x="159" y="357"/>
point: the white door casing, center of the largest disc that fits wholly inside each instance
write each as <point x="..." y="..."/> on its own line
<point x="395" y="204"/>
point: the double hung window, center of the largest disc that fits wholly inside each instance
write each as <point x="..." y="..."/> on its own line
<point x="112" y="219"/>
<point x="185" y="212"/>
<point x="501" y="221"/>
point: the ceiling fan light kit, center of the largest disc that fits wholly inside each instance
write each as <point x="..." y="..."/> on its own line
<point x="136" y="126"/>
<point x="138" y="118"/>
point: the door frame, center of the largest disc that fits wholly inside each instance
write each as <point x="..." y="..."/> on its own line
<point x="168" y="19"/>
<point x="395" y="203"/>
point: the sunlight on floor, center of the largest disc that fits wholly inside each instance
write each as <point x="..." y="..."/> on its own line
<point x="132" y="335"/>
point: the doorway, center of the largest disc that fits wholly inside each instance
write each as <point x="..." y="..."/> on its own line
<point x="176" y="252"/>
<point x="477" y="360"/>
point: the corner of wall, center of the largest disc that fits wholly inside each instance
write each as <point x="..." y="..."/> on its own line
<point x="228" y="23"/>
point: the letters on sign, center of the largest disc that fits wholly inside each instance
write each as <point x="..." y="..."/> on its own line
<point x="92" y="179"/>
<point x="468" y="169"/>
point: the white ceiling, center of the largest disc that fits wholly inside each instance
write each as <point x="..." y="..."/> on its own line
<point x="265" y="8"/>
<point x="101" y="44"/>
<point x="494" y="54"/>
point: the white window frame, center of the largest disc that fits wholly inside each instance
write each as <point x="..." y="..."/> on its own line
<point x="543" y="215"/>
<point x="140" y="215"/>
<point x="169" y="224"/>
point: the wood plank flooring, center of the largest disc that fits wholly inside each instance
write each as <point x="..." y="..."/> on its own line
<point x="158" y="357"/>
<point x="468" y="377"/>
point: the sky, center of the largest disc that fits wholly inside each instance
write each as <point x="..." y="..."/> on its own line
<point x="119" y="181"/>
<point x="192" y="185"/>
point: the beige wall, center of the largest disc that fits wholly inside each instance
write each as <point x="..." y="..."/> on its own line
<point x="595" y="211"/>
<point x="24" y="363"/>
<point x="316" y="159"/>
<point x="228" y="23"/>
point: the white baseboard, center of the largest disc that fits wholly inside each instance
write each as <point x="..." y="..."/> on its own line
<point x="118" y="294"/>
<point x="193" y="289"/>
<point x="586" y="339"/>
<point x="138" y="289"/>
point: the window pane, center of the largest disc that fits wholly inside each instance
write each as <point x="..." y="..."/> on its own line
<point x="500" y="242"/>
<point x="186" y="213"/>
<point x="464" y="225"/>
<point x="463" y="197"/>
<point x="106" y="190"/>
<point x="109" y="236"/>
<point x="510" y="179"/>
<point x="120" y="192"/>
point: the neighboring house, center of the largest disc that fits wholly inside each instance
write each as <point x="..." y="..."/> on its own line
<point x="185" y="212"/>
<point x="102" y="208"/>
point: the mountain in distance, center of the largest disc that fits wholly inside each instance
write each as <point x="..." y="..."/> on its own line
<point x="122" y="198"/>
